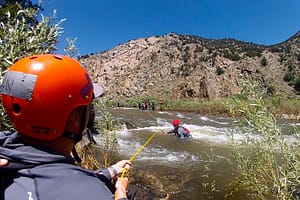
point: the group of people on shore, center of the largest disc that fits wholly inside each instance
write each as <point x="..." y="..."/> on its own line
<point x="146" y="105"/>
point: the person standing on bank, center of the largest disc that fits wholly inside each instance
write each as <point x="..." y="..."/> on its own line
<point x="180" y="131"/>
<point x="47" y="99"/>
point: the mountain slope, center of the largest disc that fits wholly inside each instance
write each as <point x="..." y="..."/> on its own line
<point x="177" y="66"/>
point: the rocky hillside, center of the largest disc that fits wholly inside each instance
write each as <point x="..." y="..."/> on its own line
<point x="177" y="66"/>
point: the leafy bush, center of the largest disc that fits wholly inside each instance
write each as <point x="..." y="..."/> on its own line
<point x="253" y="51"/>
<point x="264" y="62"/>
<point x="19" y="38"/>
<point x="268" y="167"/>
<point x="232" y="55"/>
<point x="107" y="127"/>
<point x="288" y="77"/>
<point x="297" y="84"/>
<point x="220" y="71"/>
<point x="298" y="56"/>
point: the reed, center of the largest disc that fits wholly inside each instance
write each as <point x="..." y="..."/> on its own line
<point x="283" y="106"/>
<point x="105" y="153"/>
<point x="267" y="166"/>
<point x="279" y="106"/>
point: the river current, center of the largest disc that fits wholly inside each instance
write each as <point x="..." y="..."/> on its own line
<point x="182" y="169"/>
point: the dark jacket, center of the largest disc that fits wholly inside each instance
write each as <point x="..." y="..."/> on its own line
<point x="181" y="132"/>
<point x="42" y="175"/>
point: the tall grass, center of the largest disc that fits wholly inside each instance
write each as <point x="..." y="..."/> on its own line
<point x="267" y="166"/>
<point x="107" y="126"/>
<point x="106" y="152"/>
<point x="277" y="105"/>
<point x="284" y="105"/>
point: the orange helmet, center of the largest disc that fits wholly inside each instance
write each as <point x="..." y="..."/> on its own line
<point x="39" y="92"/>
<point x="176" y="122"/>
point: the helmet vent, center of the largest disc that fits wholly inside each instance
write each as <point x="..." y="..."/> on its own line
<point x="16" y="108"/>
<point x="58" y="57"/>
<point x="33" y="57"/>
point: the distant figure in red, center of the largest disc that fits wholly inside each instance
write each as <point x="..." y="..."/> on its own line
<point x="180" y="131"/>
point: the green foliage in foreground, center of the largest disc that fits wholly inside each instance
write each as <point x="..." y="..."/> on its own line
<point x="268" y="167"/>
<point x="19" y="39"/>
<point x="107" y="126"/>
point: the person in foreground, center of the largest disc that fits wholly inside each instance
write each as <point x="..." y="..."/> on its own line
<point x="47" y="99"/>
<point x="180" y="131"/>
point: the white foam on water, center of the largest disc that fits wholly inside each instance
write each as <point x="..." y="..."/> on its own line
<point x="211" y="134"/>
<point x="154" y="153"/>
<point x="181" y="116"/>
<point x="123" y="130"/>
<point x="294" y="124"/>
<point x="164" y="112"/>
<point x="125" y="108"/>
<point x="162" y="122"/>
<point x="206" y="133"/>
<point x="207" y="119"/>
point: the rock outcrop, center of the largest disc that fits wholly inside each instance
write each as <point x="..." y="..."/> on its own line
<point x="184" y="66"/>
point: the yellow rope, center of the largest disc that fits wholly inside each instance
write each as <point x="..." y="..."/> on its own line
<point x="139" y="151"/>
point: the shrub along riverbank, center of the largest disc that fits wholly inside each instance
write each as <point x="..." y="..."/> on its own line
<point x="281" y="107"/>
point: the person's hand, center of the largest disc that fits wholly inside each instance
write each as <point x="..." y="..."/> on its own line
<point x="118" y="168"/>
<point x="121" y="186"/>
<point x="3" y="162"/>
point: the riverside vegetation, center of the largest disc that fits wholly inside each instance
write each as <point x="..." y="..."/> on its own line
<point x="281" y="107"/>
<point x="267" y="166"/>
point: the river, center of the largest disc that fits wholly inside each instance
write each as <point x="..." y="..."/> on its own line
<point x="179" y="169"/>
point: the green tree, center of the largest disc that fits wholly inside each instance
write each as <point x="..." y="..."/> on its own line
<point x="220" y="70"/>
<point x="289" y="77"/>
<point x="264" y="62"/>
<point x="71" y="49"/>
<point x="13" y="6"/>
<point x="19" y="39"/>
<point x="297" y="84"/>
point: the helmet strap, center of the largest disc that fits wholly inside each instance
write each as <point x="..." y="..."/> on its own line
<point x="73" y="136"/>
<point x="75" y="155"/>
<point x="76" y="137"/>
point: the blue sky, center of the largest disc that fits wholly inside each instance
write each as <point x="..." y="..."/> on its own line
<point x="101" y="25"/>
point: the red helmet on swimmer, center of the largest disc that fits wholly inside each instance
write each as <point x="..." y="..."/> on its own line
<point x="176" y="122"/>
<point x="39" y="92"/>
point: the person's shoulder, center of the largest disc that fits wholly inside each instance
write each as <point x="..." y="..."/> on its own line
<point x="71" y="182"/>
<point x="6" y="133"/>
<point x="64" y="167"/>
<point x="71" y="174"/>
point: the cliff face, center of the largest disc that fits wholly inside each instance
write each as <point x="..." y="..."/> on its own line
<point x="177" y="66"/>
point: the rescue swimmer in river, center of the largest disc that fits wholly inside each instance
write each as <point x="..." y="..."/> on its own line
<point x="180" y="131"/>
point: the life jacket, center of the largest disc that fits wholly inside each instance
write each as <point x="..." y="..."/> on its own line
<point x="186" y="131"/>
